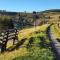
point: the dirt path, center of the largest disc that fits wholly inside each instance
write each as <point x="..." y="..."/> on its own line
<point x="54" y="43"/>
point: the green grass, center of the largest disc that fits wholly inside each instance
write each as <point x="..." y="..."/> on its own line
<point x="56" y="31"/>
<point x="36" y="47"/>
<point x="40" y="50"/>
<point x="37" y="53"/>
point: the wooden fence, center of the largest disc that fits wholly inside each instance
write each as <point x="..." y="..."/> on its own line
<point x="5" y="36"/>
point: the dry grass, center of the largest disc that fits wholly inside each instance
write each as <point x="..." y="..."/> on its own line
<point x="13" y="54"/>
<point x="22" y="51"/>
<point x="25" y="32"/>
<point x="56" y="31"/>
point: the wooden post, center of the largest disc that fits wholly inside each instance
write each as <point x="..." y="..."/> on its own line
<point x="3" y="43"/>
<point x="5" y="39"/>
<point x="1" y="40"/>
<point x="16" y="37"/>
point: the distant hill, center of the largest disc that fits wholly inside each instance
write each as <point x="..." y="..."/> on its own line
<point x="51" y="10"/>
<point x="28" y="19"/>
<point x="7" y="13"/>
<point x="14" y="13"/>
<point x="52" y="15"/>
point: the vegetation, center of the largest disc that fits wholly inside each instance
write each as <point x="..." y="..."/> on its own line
<point x="24" y="19"/>
<point x="36" y="46"/>
<point x="5" y="22"/>
<point x="56" y="31"/>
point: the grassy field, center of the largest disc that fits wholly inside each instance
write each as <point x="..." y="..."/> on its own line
<point x="56" y="31"/>
<point x="26" y="32"/>
<point x="35" y="47"/>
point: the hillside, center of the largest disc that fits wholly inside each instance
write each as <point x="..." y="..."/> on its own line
<point x="24" y="19"/>
<point x="32" y="38"/>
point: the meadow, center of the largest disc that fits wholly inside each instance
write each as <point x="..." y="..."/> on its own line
<point x="35" y="47"/>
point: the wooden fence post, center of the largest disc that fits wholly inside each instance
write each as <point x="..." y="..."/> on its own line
<point x="3" y="43"/>
<point x="1" y="40"/>
<point x="16" y="37"/>
<point x="5" y="39"/>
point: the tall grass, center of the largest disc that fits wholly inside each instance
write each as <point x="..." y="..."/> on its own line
<point x="56" y="31"/>
<point x="40" y="50"/>
<point x="36" y="46"/>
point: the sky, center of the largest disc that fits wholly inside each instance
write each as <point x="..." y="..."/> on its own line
<point x="29" y="5"/>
